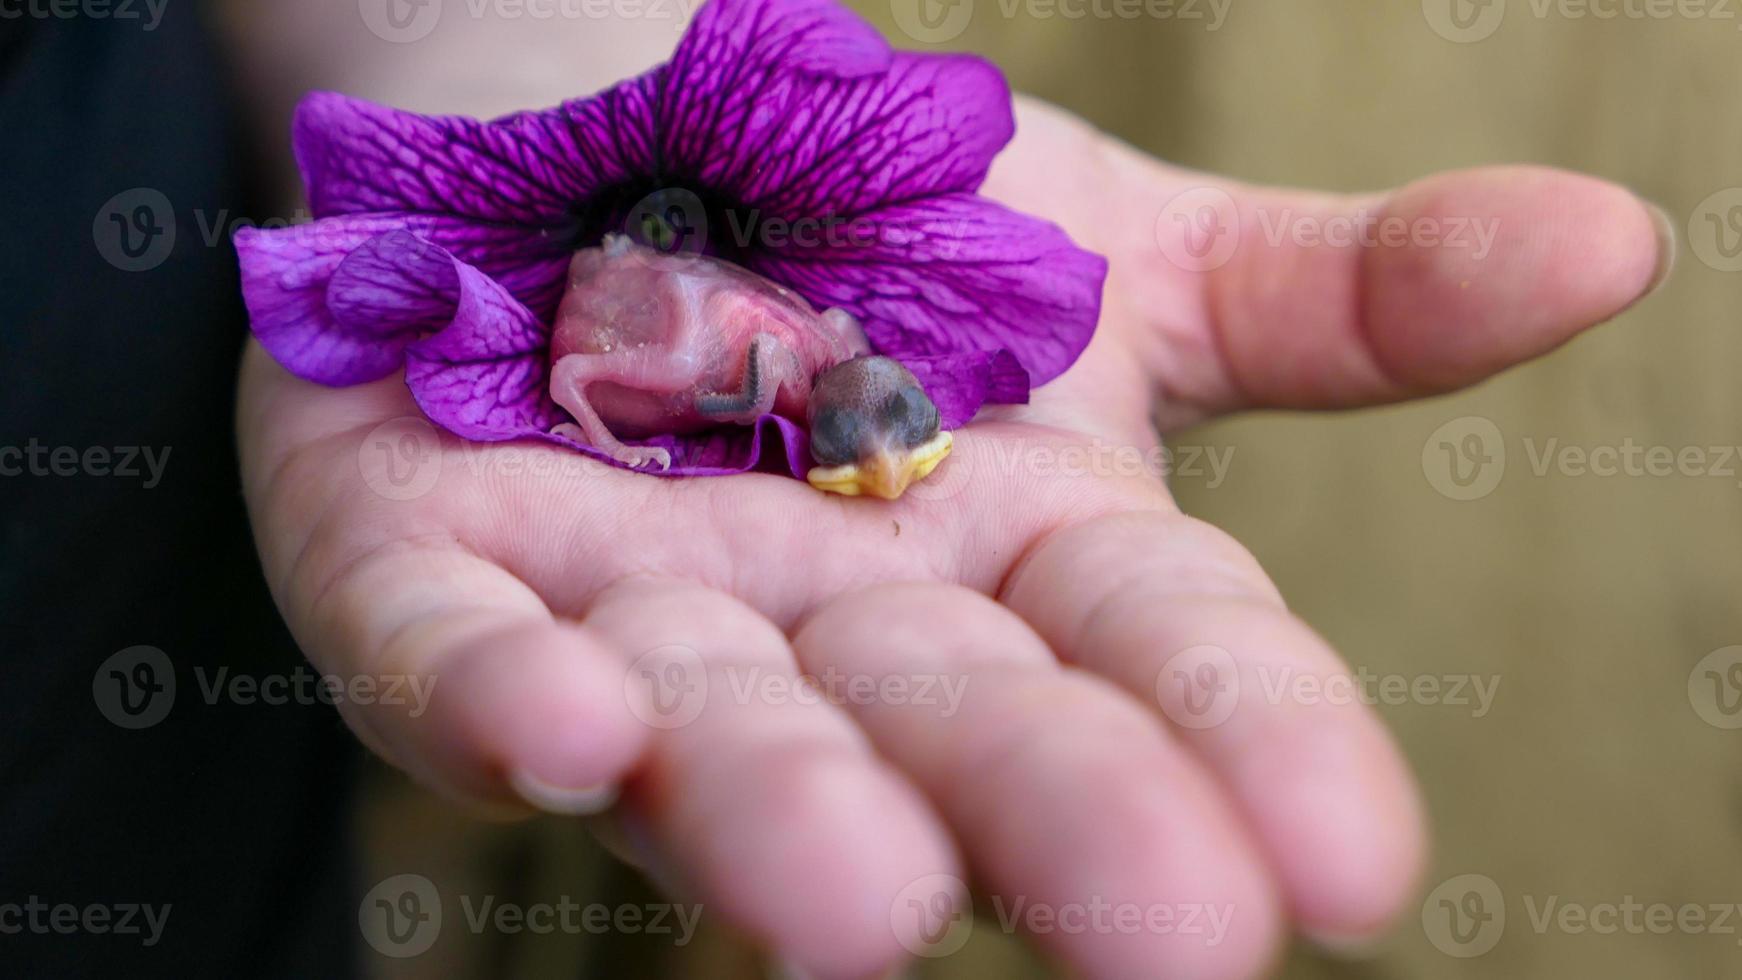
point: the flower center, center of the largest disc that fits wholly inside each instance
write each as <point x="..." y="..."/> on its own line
<point x="671" y="217"/>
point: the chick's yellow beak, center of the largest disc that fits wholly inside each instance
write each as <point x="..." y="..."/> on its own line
<point x="886" y="473"/>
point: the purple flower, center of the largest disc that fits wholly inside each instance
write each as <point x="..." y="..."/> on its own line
<point x="441" y="243"/>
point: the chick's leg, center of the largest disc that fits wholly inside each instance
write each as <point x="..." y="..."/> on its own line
<point x="767" y="365"/>
<point x="569" y="379"/>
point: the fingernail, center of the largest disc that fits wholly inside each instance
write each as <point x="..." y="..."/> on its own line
<point x="1359" y="946"/>
<point x="1666" y="247"/>
<point x="563" y="800"/>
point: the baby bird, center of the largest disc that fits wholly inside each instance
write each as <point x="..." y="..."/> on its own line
<point x="647" y="342"/>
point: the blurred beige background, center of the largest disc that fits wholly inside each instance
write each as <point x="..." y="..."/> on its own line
<point x="1595" y="776"/>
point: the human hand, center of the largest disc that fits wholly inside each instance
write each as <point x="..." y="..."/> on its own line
<point x="535" y="587"/>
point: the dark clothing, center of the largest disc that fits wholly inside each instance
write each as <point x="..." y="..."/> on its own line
<point x="118" y="356"/>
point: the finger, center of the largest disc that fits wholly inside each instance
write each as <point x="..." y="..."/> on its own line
<point x="1066" y="796"/>
<point x="497" y="701"/>
<point x="1329" y="301"/>
<point x="762" y="800"/>
<point x="506" y="705"/>
<point x="1147" y="601"/>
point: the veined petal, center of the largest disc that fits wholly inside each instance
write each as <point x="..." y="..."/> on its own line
<point x="793" y="108"/>
<point x="604" y="140"/>
<point x="775" y="443"/>
<point x="794" y="145"/>
<point x="738" y="73"/>
<point x="481" y="367"/>
<point x="958" y="384"/>
<point x="286" y="273"/>
<point x="534" y="168"/>
<point x="952" y="275"/>
<point x="523" y="169"/>
<point x="742" y="39"/>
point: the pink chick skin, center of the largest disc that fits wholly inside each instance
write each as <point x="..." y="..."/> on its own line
<point x="647" y="342"/>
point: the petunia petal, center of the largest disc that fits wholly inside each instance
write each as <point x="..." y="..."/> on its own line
<point x="953" y="275"/>
<point x="480" y="368"/>
<point x="286" y="273"/>
<point x="740" y="40"/>
<point x="793" y="109"/>
<point x="958" y="384"/>
<point x="524" y="169"/>
<point x="795" y="146"/>
<point x="774" y="444"/>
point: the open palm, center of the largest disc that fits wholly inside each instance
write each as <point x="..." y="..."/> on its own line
<point x="1033" y="660"/>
